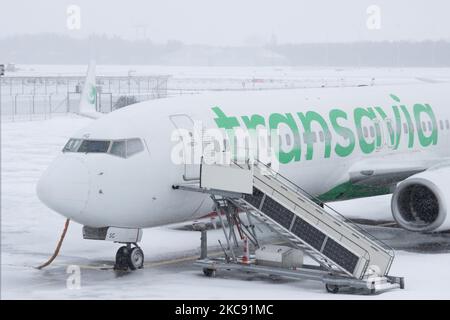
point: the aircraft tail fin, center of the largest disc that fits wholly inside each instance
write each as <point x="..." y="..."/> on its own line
<point x="88" y="101"/>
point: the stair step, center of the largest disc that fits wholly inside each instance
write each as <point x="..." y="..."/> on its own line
<point x="276" y="203"/>
<point x="296" y="217"/>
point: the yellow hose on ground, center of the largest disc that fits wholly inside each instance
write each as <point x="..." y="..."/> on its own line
<point x="55" y="254"/>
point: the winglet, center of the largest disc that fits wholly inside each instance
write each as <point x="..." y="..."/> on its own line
<point x="428" y="80"/>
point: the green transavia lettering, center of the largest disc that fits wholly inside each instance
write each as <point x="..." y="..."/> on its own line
<point x="340" y="133"/>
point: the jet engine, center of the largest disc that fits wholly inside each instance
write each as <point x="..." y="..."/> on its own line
<point x="422" y="201"/>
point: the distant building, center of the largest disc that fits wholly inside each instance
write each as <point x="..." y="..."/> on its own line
<point x="10" y="67"/>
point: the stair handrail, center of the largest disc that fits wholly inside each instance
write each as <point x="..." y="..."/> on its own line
<point x="294" y="187"/>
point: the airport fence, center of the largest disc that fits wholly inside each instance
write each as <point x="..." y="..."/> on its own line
<point x="28" y="98"/>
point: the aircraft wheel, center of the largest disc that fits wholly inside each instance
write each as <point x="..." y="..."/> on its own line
<point x="332" y="288"/>
<point x="135" y="258"/>
<point x="122" y="259"/>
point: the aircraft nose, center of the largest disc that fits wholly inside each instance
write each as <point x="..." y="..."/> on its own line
<point x="64" y="187"/>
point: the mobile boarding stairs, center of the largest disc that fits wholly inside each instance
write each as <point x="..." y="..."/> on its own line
<point x="347" y="256"/>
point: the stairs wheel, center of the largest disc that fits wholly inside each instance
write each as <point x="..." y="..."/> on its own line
<point x="332" y="288"/>
<point x="209" y="272"/>
<point x="402" y="283"/>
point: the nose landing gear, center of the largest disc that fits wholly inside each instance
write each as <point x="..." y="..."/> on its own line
<point x="128" y="258"/>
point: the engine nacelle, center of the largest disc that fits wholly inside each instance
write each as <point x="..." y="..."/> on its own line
<point x="422" y="201"/>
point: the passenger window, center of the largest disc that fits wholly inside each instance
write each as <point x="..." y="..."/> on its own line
<point x="441" y="124"/>
<point x="72" y="145"/>
<point x="430" y="127"/>
<point x="308" y="137"/>
<point x="288" y="140"/>
<point x="424" y="127"/>
<point x="372" y="132"/>
<point x="119" y="149"/>
<point x="134" y="146"/>
<point x="321" y="136"/>
<point x="447" y="124"/>
<point x="391" y="130"/>
<point x="405" y="127"/>
<point x="94" y="146"/>
<point x="366" y="132"/>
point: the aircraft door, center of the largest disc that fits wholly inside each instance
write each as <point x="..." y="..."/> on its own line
<point x="192" y="157"/>
<point x="387" y="134"/>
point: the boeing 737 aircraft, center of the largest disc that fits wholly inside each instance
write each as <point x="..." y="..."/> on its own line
<point x="116" y="175"/>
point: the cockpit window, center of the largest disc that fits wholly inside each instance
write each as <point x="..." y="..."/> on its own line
<point x="121" y="148"/>
<point x="134" y="146"/>
<point x="72" y="145"/>
<point x="94" y="146"/>
<point x="127" y="148"/>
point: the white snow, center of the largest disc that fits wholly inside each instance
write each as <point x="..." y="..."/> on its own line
<point x="29" y="232"/>
<point x="208" y="72"/>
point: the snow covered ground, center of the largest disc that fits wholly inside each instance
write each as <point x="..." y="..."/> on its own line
<point x="29" y="232"/>
<point x="188" y="79"/>
<point x="189" y="72"/>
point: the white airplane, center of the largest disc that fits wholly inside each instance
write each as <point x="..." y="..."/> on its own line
<point x="116" y="175"/>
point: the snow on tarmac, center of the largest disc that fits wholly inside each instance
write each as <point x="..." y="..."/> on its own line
<point x="29" y="232"/>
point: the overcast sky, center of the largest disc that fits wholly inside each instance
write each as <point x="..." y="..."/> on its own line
<point x="232" y="22"/>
